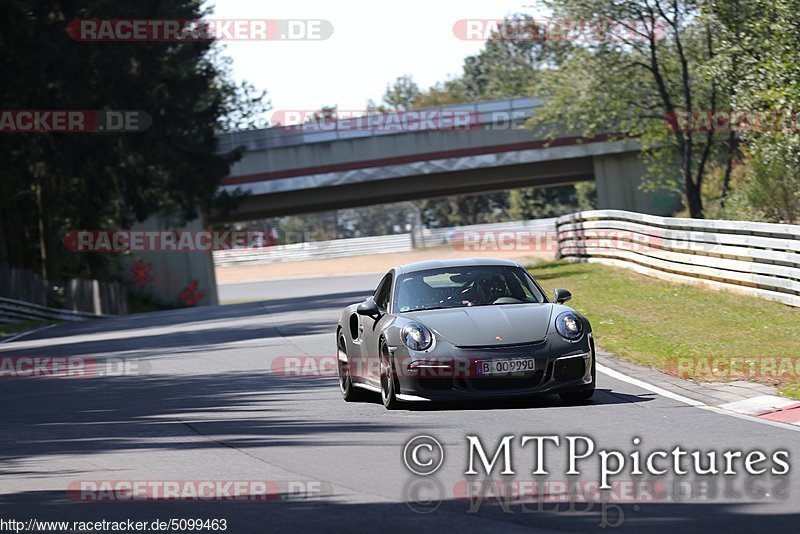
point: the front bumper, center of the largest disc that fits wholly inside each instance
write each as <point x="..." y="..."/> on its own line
<point x="449" y="373"/>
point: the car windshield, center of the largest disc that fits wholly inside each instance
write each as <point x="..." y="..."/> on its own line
<point x="457" y="287"/>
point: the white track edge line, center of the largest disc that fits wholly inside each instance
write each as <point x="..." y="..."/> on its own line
<point x="691" y="402"/>
<point x="646" y="385"/>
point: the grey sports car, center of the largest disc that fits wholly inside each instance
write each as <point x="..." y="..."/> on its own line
<point x="464" y="329"/>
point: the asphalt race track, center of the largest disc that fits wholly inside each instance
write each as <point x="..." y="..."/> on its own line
<point x="196" y="397"/>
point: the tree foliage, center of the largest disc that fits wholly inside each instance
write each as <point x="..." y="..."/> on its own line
<point x="402" y="94"/>
<point x="53" y="182"/>
<point x="761" y="42"/>
<point x="510" y="62"/>
<point x="653" y="62"/>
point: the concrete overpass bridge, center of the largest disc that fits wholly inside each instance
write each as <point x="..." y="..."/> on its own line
<point x="354" y="162"/>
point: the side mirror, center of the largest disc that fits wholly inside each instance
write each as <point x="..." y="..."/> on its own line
<point x="369" y="308"/>
<point x="560" y="295"/>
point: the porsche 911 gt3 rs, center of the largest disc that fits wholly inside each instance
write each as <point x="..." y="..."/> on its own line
<point x="464" y="329"/>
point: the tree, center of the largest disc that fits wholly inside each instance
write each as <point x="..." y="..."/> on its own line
<point x="382" y="219"/>
<point x="655" y="63"/>
<point x="402" y="93"/>
<point x="443" y="94"/>
<point x="372" y="107"/>
<point x="542" y="202"/>
<point x="324" y="114"/>
<point x="460" y="210"/>
<point x="509" y="64"/>
<point x="760" y="43"/>
<point x="52" y="183"/>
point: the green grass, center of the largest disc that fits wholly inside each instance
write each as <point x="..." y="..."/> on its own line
<point x="649" y="321"/>
<point x="13" y="328"/>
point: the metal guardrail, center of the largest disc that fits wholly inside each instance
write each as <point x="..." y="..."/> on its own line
<point x="442" y="236"/>
<point x="366" y="245"/>
<point x="314" y="250"/>
<point x="760" y="259"/>
<point x="75" y="294"/>
<point x="12" y="310"/>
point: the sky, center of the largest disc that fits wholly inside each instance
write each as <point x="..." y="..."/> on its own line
<point x="373" y="43"/>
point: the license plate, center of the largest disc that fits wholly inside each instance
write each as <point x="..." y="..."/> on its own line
<point x="506" y="367"/>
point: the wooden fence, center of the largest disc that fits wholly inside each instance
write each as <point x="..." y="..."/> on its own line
<point x="84" y="298"/>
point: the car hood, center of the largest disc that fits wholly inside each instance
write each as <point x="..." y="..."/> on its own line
<point x="482" y="325"/>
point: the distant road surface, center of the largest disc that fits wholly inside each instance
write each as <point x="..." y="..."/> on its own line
<point x="297" y="287"/>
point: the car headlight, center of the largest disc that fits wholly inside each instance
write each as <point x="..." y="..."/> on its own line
<point x="416" y="337"/>
<point x="569" y="326"/>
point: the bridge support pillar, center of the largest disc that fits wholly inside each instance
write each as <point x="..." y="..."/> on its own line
<point x="183" y="279"/>
<point x="618" y="179"/>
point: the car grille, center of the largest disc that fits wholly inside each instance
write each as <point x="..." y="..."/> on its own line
<point x="498" y="346"/>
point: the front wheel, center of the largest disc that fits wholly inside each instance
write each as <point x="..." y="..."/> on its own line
<point x="388" y="381"/>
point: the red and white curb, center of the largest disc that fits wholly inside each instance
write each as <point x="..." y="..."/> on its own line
<point x="769" y="407"/>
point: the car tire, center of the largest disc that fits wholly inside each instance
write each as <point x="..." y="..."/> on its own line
<point x="349" y="391"/>
<point x="388" y="380"/>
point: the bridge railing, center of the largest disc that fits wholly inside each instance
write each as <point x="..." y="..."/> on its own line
<point x="759" y="259"/>
<point x="481" y="114"/>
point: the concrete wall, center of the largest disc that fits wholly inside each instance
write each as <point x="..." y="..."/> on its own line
<point x="619" y="178"/>
<point x="395" y="189"/>
<point x="182" y="279"/>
